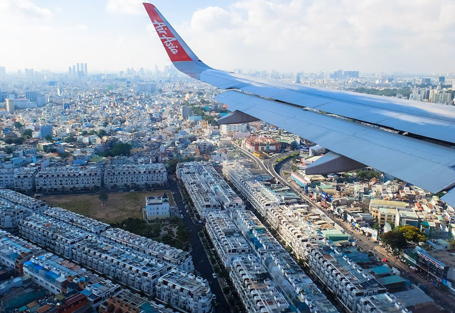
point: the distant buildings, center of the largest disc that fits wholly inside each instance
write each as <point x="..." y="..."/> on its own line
<point x="9" y="105"/>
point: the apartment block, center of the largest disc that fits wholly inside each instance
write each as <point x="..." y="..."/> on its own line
<point x="184" y="291"/>
<point x="24" y="179"/>
<point x="207" y="189"/>
<point x="68" y="178"/>
<point x="52" y="234"/>
<point x="21" y="201"/>
<point x="128" y="302"/>
<point x="151" y="248"/>
<point x="119" y="262"/>
<point x="255" y="286"/>
<point x="226" y="237"/>
<point x="14" y="251"/>
<point x="343" y="277"/>
<point x="77" y="220"/>
<point x="7" y="177"/>
<point x="11" y="216"/>
<point x="135" y="175"/>
<point x="58" y="275"/>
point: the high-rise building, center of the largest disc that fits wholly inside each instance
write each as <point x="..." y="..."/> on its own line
<point x="85" y="69"/>
<point x="46" y="130"/>
<point x="69" y="71"/>
<point x="9" y="105"/>
<point x="2" y="71"/>
<point x="31" y="96"/>
<point x="442" y="79"/>
<point x="78" y="69"/>
<point x="146" y="87"/>
<point x="74" y="70"/>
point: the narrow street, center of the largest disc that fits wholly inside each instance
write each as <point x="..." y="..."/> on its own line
<point x="200" y="259"/>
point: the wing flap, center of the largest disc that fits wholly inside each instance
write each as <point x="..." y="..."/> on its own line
<point x="421" y="163"/>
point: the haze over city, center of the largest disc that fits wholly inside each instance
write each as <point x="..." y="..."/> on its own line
<point x="243" y="156"/>
<point x="289" y="36"/>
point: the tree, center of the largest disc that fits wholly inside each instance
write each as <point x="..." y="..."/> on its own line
<point x="48" y="138"/>
<point x="101" y="133"/>
<point x="103" y="197"/>
<point x="376" y="224"/>
<point x="70" y="139"/>
<point x="452" y="244"/>
<point x="8" y="150"/>
<point x="394" y="239"/>
<point x="17" y="125"/>
<point x="412" y="233"/>
<point x="27" y="133"/>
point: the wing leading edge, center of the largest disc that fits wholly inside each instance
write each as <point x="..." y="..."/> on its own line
<point x="430" y="165"/>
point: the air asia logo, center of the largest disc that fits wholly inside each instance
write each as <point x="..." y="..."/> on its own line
<point x="162" y="31"/>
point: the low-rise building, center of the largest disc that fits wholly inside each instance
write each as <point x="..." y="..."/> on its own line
<point x="77" y="220"/>
<point x="254" y="144"/>
<point x="255" y="286"/>
<point x="24" y="179"/>
<point x="68" y="178"/>
<point x="156" y="207"/>
<point x="135" y="175"/>
<point x="186" y="292"/>
<point x="118" y="262"/>
<point x="128" y="302"/>
<point x="151" y="248"/>
<point x="226" y="237"/>
<point x="52" y="234"/>
<point x="207" y="189"/>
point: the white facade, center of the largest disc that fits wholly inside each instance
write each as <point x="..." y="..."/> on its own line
<point x="226" y="237"/>
<point x="68" y="178"/>
<point x="131" y="175"/>
<point x="207" y="189"/>
<point x="156" y="207"/>
<point x="154" y="249"/>
<point x="24" y="179"/>
<point x="186" y="292"/>
<point x="7" y="178"/>
<point x="225" y="129"/>
<point x="255" y="286"/>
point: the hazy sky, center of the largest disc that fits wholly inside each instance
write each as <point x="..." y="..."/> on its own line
<point x="415" y="36"/>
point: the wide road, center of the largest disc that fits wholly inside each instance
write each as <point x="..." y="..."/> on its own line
<point x="200" y="259"/>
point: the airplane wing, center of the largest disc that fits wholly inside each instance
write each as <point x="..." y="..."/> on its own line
<point x="411" y="140"/>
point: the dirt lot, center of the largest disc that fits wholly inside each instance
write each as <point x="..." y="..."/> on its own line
<point x="119" y="206"/>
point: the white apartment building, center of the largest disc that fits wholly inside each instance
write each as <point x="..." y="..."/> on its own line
<point x="58" y="275"/>
<point x="226" y="237"/>
<point x="343" y="277"/>
<point x="68" y="178"/>
<point x="77" y="220"/>
<point x="186" y="292"/>
<point x="14" y="251"/>
<point x="22" y="201"/>
<point x="52" y="234"/>
<point x="118" y="262"/>
<point x="156" y="207"/>
<point x="227" y="129"/>
<point x="255" y="286"/>
<point x="135" y="175"/>
<point x="10" y="216"/>
<point x="24" y="179"/>
<point x="7" y="177"/>
<point x="207" y="189"/>
<point x="154" y="249"/>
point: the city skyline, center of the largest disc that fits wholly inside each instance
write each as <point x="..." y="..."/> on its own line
<point x="287" y="36"/>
